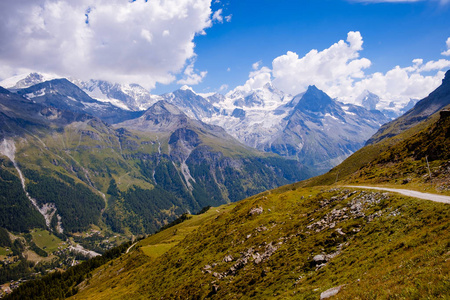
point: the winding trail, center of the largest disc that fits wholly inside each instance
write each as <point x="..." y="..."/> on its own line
<point x="425" y="196"/>
<point x="129" y="248"/>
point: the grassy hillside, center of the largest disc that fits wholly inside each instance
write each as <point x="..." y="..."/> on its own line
<point x="406" y="163"/>
<point x="304" y="239"/>
<point x="156" y="176"/>
<point x="299" y="241"/>
<point x="434" y="102"/>
<point x="292" y="244"/>
<point x="399" y="160"/>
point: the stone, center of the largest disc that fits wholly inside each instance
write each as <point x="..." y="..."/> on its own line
<point x="256" y="210"/>
<point x="319" y="258"/>
<point x="330" y="292"/>
<point x="228" y="258"/>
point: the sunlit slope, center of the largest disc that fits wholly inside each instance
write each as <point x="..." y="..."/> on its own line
<point x="399" y="160"/>
<point x="434" y="102"/>
<point x="136" y="177"/>
<point x="291" y="244"/>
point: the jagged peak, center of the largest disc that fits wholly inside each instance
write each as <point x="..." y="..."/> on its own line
<point x="164" y="106"/>
<point x="314" y="99"/>
<point x="312" y="88"/>
<point x="366" y="94"/>
<point x="446" y="79"/>
<point x="187" y="88"/>
<point x="28" y="79"/>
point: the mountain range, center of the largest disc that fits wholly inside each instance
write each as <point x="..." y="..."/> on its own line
<point x="315" y="239"/>
<point x="266" y="118"/>
<point x="91" y="173"/>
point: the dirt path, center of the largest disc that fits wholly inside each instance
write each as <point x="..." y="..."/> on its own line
<point x="129" y="248"/>
<point x="425" y="196"/>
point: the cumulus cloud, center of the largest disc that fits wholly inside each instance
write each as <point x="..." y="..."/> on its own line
<point x="190" y="76"/>
<point x="398" y="84"/>
<point x="341" y="72"/>
<point x="217" y="16"/>
<point x="256" y="65"/>
<point x="125" y="41"/>
<point x="447" y="53"/>
<point x="257" y="79"/>
<point x="333" y="69"/>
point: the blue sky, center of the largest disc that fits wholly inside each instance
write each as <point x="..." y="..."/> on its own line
<point x="342" y="46"/>
<point x="393" y="34"/>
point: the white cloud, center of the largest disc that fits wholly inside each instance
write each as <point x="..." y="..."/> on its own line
<point x="398" y="84"/>
<point x="447" y="53"/>
<point x="257" y="79"/>
<point x="217" y="16"/>
<point x="256" y="65"/>
<point x="190" y="76"/>
<point x="228" y="18"/>
<point x="223" y="88"/>
<point x="340" y="72"/>
<point x="333" y="69"/>
<point x="141" y="41"/>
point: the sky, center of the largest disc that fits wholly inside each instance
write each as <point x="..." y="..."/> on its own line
<point x="393" y="48"/>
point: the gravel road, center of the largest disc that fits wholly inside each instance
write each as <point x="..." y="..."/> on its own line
<point x="425" y="196"/>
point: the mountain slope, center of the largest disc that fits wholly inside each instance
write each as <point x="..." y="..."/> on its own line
<point x="305" y="241"/>
<point x="412" y="145"/>
<point x="407" y="161"/>
<point x="131" y="97"/>
<point x="436" y="101"/>
<point x="321" y="132"/>
<point x="408" y="166"/>
<point x="194" y="105"/>
<point x="311" y="127"/>
<point x="290" y="245"/>
<point x="64" y="95"/>
<point x="146" y="178"/>
<point x="264" y="118"/>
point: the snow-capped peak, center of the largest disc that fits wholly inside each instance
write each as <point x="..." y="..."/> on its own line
<point x="368" y="100"/>
<point x="187" y="88"/>
<point x="125" y="96"/>
<point x="26" y="80"/>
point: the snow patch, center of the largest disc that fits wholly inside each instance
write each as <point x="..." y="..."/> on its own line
<point x="26" y="80"/>
<point x="187" y="88"/>
<point x="39" y="93"/>
<point x="333" y="117"/>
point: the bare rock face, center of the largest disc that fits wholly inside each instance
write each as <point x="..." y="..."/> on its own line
<point x="256" y="211"/>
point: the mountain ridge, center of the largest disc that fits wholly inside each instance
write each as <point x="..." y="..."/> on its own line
<point x="434" y="102"/>
<point x="257" y="117"/>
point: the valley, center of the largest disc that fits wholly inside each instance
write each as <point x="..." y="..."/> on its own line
<point x="91" y="179"/>
<point x="224" y="150"/>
